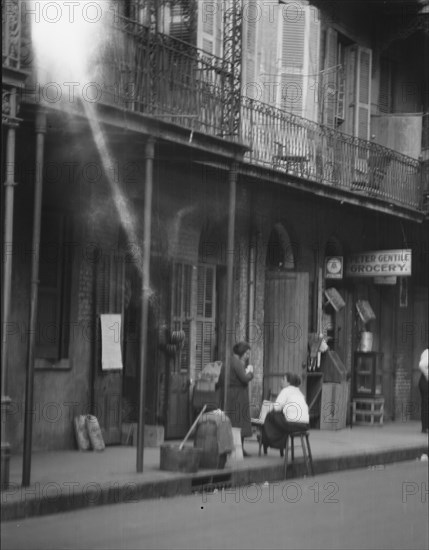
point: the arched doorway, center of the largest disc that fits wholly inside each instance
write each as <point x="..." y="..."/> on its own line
<point x="286" y="312"/>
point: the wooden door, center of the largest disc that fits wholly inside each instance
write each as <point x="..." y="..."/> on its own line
<point x="107" y="386"/>
<point x="285" y="328"/>
<point x="178" y="383"/>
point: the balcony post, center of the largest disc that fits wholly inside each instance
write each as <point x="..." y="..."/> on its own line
<point x="37" y="215"/>
<point x="229" y="276"/>
<point x="11" y="123"/>
<point x="147" y="221"/>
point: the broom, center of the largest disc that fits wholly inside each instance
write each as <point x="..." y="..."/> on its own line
<point x="191" y="429"/>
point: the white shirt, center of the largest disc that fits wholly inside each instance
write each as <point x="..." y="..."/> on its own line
<point x="292" y="402"/>
<point x="423" y="364"/>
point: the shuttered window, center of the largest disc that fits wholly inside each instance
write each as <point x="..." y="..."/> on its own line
<point x="181" y="309"/>
<point x="329" y="80"/>
<point x="292" y="79"/>
<point x="53" y="311"/>
<point x="250" y="50"/>
<point x="346" y="85"/>
<point x="363" y="93"/>
<point x="210" y="27"/>
<point x="206" y="316"/>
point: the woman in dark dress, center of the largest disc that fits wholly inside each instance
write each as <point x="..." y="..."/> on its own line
<point x="238" y="406"/>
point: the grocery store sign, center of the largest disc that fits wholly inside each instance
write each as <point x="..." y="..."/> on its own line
<point x="379" y="263"/>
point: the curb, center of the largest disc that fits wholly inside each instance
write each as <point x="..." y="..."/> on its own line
<point x="31" y="505"/>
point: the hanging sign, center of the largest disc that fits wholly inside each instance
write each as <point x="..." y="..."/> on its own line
<point x="379" y="262"/>
<point x="334" y="267"/>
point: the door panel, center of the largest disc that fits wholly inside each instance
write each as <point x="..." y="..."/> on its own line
<point x="285" y="328"/>
<point x="177" y="405"/>
<point x="178" y="381"/>
<point x="107" y="384"/>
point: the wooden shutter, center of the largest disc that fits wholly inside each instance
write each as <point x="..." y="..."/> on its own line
<point x="329" y="81"/>
<point x="350" y="60"/>
<point x="363" y="92"/>
<point x="207" y="19"/>
<point x="206" y="316"/>
<point x="292" y="81"/>
<point x="54" y="289"/>
<point x="110" y="283"/>
<point x="181" y="309"/>
<point x="312" y="103"/>
<point x="110" y="290"/>
<point x="249" y="52"/>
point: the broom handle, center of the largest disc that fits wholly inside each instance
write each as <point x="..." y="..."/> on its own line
<point x="192" y="427"/>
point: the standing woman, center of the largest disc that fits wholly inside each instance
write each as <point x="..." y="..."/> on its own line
<point x="238" y="394"/>
<point x="423" y="387"/>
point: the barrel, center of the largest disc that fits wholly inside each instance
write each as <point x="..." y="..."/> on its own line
<point x="206" y="440"/>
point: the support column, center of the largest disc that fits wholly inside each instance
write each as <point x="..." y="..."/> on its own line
<point x="11" y="122"/>
<point x="229" y="277"/>
<point x="147" y="221"/>
<point x="29" y="383"/>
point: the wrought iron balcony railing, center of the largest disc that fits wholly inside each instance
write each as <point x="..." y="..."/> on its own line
<point x="157" y="75"/>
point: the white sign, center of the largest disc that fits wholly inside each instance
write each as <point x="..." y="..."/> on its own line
<point x="111" y="355"/>
<point x="334" y="267"/>
<point x="379" y="262"/>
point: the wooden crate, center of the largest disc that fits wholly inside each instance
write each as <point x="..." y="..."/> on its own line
<point x="333" y="408"/>
<point x="367" y="411"/>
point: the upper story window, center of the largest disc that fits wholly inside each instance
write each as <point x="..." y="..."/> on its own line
<point x="345" y="88"/>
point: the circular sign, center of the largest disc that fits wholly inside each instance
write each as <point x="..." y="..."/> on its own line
<point x="334" y="265"/>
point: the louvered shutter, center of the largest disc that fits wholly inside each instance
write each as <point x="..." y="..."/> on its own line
<point x="311" y="106"/>
<point x="249" y="52"/>
<point x="363" y="92"/>
<point x="292" y="81"/>
<point x="329" y="81"/>
<point x="350" y="88"/>
<point x="206" y="316"/>
<point x="181" y="309"/>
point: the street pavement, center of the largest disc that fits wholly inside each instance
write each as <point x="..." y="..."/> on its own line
<point x="69" y="480"/>
<point x="379" y="507"/>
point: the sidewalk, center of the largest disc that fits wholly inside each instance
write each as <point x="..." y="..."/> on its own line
<point x="69" y="480"/>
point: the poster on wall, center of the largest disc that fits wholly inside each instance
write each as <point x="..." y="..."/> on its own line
<point x="111" y="355"/>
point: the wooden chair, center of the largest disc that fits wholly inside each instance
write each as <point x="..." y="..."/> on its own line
<point x="303" y="435"/>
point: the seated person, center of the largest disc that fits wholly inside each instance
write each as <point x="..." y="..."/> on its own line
<point x="290" y="414"/>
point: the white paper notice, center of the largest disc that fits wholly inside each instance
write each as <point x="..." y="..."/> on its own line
<point x="111" y="356"/>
